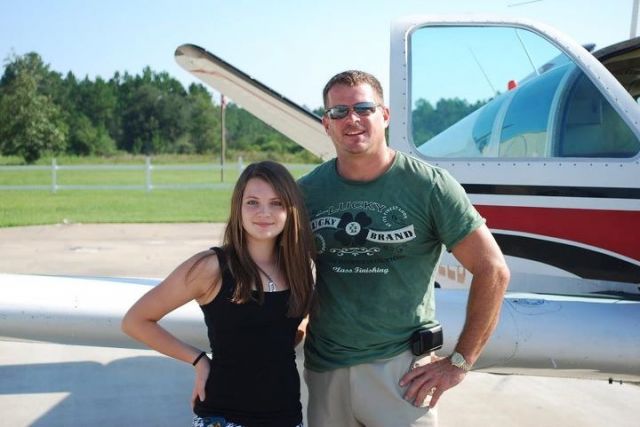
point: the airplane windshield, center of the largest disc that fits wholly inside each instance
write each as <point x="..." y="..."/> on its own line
<point x="507" y="92"/>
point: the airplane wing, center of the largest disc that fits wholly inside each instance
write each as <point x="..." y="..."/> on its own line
<point x="83" y="311"/>
<point x="287" y="117"/>
<point x="536" y="334"/>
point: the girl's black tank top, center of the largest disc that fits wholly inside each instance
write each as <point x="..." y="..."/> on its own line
<point x="254" y="380"/>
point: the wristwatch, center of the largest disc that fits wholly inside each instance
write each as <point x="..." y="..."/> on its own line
<point x="459" y="361"/>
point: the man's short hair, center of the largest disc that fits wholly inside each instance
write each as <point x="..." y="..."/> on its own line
<point x="352" y="78"/>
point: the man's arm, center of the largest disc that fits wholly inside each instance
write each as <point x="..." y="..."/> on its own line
<point x="479" y="254"/>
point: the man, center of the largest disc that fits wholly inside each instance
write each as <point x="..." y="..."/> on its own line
<point x="381" y="220"/>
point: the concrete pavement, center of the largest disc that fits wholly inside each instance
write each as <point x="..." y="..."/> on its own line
<point x="54" y="385"/>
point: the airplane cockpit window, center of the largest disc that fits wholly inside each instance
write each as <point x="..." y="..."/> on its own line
<point x="588" y="126"/>
<point x="524" y="128"/>
<point x="500" y="92"/>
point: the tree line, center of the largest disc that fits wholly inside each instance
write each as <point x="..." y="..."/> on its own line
<point x="44" y="113"/>
<point x="428" y="120"/>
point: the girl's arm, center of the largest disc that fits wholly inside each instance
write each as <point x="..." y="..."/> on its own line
<point x="302" y="331"/>
<point x="141" y="321"/>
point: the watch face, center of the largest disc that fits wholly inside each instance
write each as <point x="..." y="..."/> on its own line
<point x="457" y="360"/>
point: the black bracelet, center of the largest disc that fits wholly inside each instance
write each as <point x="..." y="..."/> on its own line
<point x="195" y="362"/>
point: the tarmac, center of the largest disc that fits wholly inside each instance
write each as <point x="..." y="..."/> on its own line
<point x="48" y="385"/>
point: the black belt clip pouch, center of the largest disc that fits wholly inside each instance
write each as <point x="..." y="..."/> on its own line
<point x="426" y="340"/>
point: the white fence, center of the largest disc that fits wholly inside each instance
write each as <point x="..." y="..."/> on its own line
<point x="147" y="167"/>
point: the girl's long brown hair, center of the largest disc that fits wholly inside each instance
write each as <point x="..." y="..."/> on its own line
<point x="295" y="250"/>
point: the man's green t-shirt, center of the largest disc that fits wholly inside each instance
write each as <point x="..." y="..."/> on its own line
<point x="378" y="243"/>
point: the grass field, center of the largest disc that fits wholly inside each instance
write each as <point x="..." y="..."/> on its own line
<point x="36" y="207"/>
<point x="77" y="206"/>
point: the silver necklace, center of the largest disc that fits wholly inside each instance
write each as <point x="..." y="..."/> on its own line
<point x="271" y="285"/>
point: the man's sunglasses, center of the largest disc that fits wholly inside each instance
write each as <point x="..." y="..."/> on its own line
<point x="361" y="108"/>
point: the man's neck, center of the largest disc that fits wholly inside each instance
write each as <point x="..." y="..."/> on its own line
<point x="365" y="168"/>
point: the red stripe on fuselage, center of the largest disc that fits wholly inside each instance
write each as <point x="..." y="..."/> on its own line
<point x="616" y="231"/>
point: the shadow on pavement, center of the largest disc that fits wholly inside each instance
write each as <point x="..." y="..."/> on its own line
<point x="136" y="391"/>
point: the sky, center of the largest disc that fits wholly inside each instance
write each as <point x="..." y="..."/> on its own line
<point x="292" y="46"/>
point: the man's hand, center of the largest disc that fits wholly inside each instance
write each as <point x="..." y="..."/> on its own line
<point x="432" y="379"/>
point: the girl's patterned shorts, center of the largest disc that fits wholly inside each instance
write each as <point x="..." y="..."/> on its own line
<point x="217" y="422"/>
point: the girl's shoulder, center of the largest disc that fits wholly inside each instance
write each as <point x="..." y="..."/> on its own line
<point x="204" y="272"/>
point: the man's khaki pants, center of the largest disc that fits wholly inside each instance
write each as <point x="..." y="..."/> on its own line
<point x="365" y="395"/>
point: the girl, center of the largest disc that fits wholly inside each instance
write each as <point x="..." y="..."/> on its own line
<point x="254" y="292"/>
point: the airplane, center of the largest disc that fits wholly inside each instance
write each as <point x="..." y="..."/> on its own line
<point x="546" y="142"/>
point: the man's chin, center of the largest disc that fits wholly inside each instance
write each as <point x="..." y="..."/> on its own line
<point x="356" y="148"/>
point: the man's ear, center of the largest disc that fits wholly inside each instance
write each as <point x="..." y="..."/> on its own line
<point x="386" y="114"/>
<point x="325" y="123"/>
